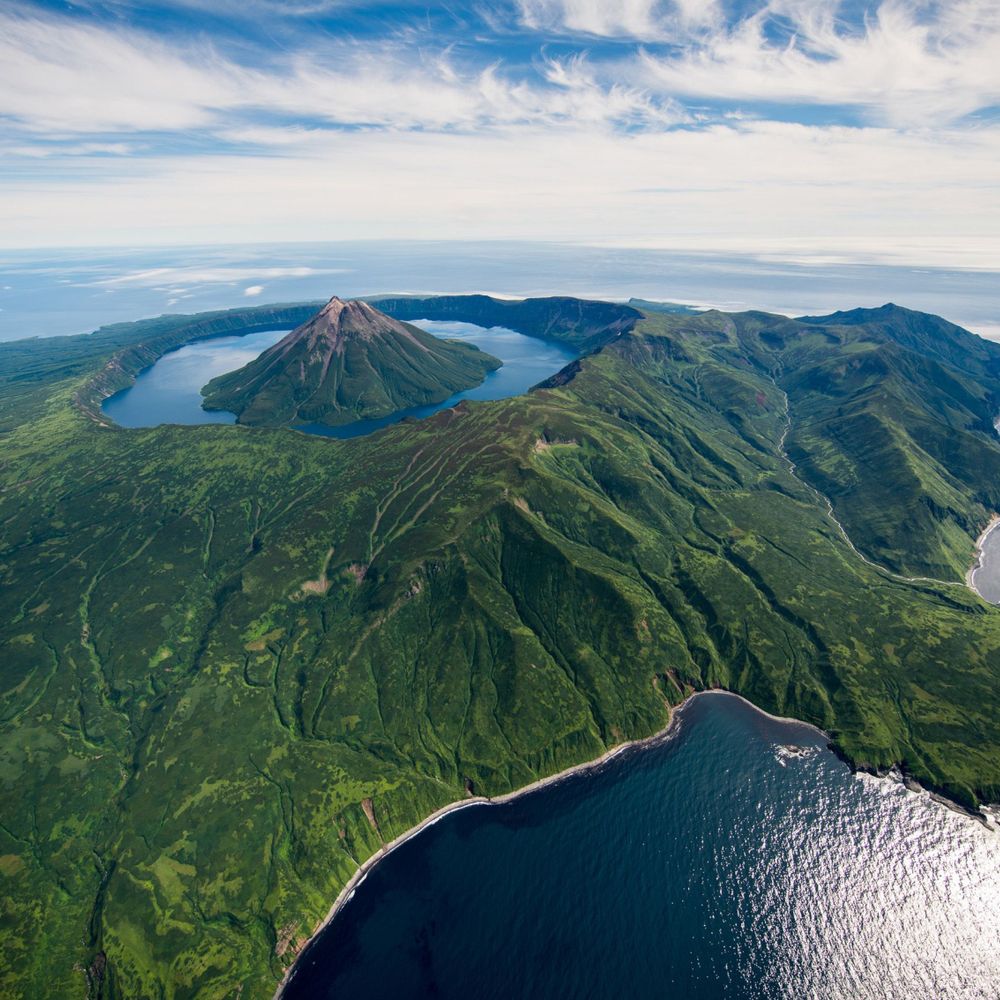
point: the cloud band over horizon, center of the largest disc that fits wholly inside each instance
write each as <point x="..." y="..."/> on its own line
<point x="793" y="127"/>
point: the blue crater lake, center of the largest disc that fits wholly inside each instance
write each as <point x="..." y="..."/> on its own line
<point x="169" y="392"/>
<point x="738" y="858"/>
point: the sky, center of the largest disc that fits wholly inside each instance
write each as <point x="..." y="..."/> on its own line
<point x="805" y="130"/>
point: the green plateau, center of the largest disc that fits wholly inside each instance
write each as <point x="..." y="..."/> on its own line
<point x="237" y="660"/>
<point x="347" y="363"/>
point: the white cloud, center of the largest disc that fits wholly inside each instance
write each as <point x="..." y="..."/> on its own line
<point x="631" y="18"/>
<point x="289" y="136"/>
<point x="252" y="291"/>
<point x="643" y="20"/>
<point x="178" y="279"/>
<point x="58" y="76"/>
<point x="258" y="8"/>
<point x="697" y="12"/>
<point x="41" y="151"/>
<point x="67" y="77"/>
<point x="568" y="148"/>
<point x="765" y="188"/>
<point x="912" y="64"/>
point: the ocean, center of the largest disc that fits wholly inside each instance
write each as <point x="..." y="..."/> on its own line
<point x="53" y="292"/>
<point x="739" y="858"/>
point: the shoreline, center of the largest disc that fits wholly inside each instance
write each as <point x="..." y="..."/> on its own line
<point x="359" y="876"/>
<point x="991" y="526"/>
<point x="663" y="735"/>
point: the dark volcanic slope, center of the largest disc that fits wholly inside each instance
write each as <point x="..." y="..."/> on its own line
<point x="349" y="362"/>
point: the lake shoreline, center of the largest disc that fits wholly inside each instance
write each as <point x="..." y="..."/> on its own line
<point x="168" y="388"/>
<point x="665" y="734"/>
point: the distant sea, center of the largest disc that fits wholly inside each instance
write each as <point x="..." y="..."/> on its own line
<point x="739" y="859"/>
<point x="52" y="292"/>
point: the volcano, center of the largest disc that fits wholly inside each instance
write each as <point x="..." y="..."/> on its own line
<point x="349" y="362"/>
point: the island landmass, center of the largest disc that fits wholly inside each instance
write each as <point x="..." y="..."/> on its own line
<point x="238" y="662"/>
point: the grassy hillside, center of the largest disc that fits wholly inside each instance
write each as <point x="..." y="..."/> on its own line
<point x="227" y="650"/>
<point x="893" y="415"/>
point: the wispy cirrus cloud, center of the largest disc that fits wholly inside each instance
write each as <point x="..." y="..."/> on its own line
<point x="802" y="126"/>
<point x="631" y="18"/>
<point x="909" y="62"/>
<point x="905" y="63"/>
<point x="644" y="20"/>
<point x="59" y="76"/>
<point x="81" y="78"/>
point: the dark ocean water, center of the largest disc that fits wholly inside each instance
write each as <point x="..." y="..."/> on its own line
<point x="717" y="864"/>
<point x="169" y="392"/>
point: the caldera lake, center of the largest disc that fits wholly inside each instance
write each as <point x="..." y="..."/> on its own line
<point x="169" y="392"/>
<point x="737" y="858"/>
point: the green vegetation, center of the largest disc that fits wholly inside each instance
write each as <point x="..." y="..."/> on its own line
<point x="580" y="323"/>
<point x="348" y="362"/>
<point x="224" y="647"/>
<point x="30" y="368"/>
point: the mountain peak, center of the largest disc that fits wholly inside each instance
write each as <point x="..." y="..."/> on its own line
<point x="340" y="321"/>
<point x="860" y="316"/>
<point x="348" y="362"/>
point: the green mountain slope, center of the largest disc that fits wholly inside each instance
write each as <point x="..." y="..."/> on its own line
<point x="223" y="652"/>
<point x="348" y="362"/>
<point x="581" y="323"/>
<point x="894" y="415"/>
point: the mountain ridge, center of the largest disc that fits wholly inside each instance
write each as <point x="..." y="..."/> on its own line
<point x="223" y="653"/>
